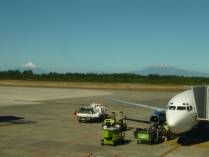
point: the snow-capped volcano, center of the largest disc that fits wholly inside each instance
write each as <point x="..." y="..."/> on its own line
<point x="31" y="66"/>
<point x="165" y="69"/>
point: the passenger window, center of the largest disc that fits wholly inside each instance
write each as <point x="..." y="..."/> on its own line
<point x="181" y="108"/>
<point x="172" y="107"/>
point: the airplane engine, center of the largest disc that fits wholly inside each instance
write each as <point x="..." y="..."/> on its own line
<point x="154" y="119"/>
<point x="158" y="117"/>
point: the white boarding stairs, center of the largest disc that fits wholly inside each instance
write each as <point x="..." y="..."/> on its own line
<point x="201" y="95"/>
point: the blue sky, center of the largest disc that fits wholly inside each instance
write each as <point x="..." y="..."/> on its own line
<point x="104" y="35"/>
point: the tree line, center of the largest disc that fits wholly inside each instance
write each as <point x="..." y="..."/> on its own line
<point x="106" y="78"/>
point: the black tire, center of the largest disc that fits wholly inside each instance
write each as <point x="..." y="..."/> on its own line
<point x="138" y="142"/>
<point x="102" y="142"/>
<point x="182" y="141"/>
<point x="122" y="141"/>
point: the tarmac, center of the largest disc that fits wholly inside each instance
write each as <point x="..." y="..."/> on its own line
<point x="36" y="122"/>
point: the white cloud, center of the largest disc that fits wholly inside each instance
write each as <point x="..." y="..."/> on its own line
<point x="29" y="65"/>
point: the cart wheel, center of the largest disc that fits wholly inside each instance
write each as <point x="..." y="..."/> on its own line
<point x="102" y="142"/>
<point x="122" y="141"/>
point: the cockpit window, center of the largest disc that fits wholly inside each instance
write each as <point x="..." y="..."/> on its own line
<point x="189" y="108"/>
<point x="172" y="107"/>
<point x="181" y="108"/>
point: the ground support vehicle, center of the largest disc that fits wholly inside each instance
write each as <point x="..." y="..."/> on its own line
<point x="154" y="135"/>
<point x="112" y="136"/>
<point x="91" y="113"/>
<point x="166" y="134"/>
<point x="143" y="135"/>
<point x="117" y="120"/>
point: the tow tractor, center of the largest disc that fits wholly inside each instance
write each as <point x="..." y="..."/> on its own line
<point x="117" y="120"/>
<point x="143" y="136"/>
<point x="154" y="135"/>
<point x="92" y="112"/>
<point x="112" y="136"/>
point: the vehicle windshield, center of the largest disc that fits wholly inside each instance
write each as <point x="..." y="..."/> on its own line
<point x="181" y="108"/>
<point x="86" y="110"/>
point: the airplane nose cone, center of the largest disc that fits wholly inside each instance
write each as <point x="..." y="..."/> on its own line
<point x="177" y="122"/>
<point x="173" y="127"/>
<point x="172" y="122"/>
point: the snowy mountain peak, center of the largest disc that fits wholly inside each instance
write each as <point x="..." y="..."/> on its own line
<point x="31" y="66"/>
<point x="165" y="69"/>
<point x="161" y="66"/>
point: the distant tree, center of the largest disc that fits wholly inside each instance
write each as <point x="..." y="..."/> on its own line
<point x="93" y="77"/>
<point x="28" y="74"/>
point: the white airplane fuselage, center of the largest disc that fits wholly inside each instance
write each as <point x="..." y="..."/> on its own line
<point x="181" y="113"/>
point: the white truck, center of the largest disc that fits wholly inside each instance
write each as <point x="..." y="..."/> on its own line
<point x="91" y="113"/>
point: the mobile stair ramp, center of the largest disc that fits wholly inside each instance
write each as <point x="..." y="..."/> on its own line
<point x="201" y="95"/>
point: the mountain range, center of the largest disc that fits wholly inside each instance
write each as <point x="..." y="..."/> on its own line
<point x="164" y="69"/>
<point x="35" y="70"/>
<point x="161" y="69"/>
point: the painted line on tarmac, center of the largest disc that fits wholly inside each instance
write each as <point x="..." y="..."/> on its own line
<point x="170" y="150"/>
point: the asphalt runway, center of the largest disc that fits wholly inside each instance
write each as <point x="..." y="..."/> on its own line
<point x="36" y="122"/>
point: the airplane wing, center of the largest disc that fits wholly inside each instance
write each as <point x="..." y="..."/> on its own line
<point x="138" y="119"/>
<point x="138" y="105"/>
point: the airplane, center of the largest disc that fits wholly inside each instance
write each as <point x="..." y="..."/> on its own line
<point x="184" y="111"/>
